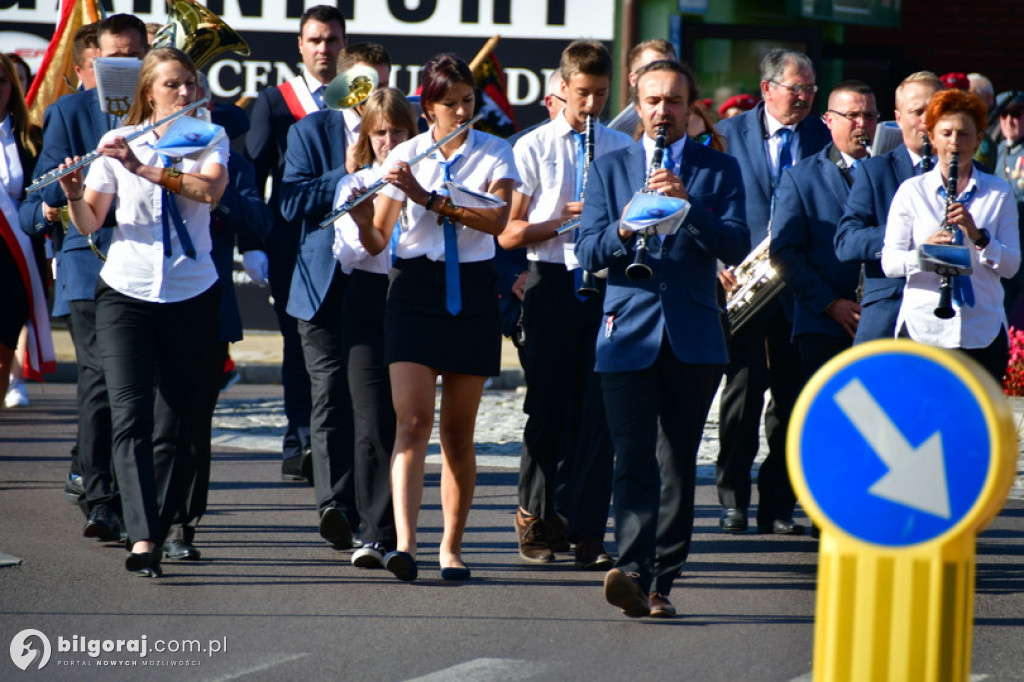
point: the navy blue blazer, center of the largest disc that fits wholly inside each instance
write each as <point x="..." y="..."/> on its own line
<point x="808" y="206"/>
<point x="241" y="212"/>
<point x="746" y="136"/>
<point x="314" y="163"/>
<point x="679" y="300"/>
<point x="861" y="234"/>
<point x="73" y="125"/>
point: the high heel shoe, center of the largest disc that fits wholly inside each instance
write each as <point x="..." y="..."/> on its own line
<point x="144" y="564"/>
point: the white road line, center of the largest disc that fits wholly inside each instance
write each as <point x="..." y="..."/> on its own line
<point x="485" y="670"/>
<point x="260" y="668"/>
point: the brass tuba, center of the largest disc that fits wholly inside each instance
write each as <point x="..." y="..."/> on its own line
<point x="198" y="32"/>
<point x="351" y="88"/>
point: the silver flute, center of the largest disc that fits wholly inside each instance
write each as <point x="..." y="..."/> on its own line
<point x="377" y="186"/>
<point x="56" y="174"/>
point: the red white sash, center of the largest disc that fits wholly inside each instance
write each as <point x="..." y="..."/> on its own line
<point x="297" y="96"/>
<point x="41" y="358"/>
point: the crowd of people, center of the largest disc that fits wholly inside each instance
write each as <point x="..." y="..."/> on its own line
<point x="621" y="332"/>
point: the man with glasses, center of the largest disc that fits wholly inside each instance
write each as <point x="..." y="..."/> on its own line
<point x="765" y="140"/>
<point x="808" y="206"/>
<point x="862" y="228"/>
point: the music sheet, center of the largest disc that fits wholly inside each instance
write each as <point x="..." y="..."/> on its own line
<point x="116" y="78"/>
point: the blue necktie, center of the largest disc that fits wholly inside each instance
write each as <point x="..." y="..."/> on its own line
<point x="169" y="212"/>
<point x="963" y="291"/>
<point x="396" y="235"/>
<point x="785" y="155"/>
<point x="452" y="291"/>
<point x="581" y="162"/>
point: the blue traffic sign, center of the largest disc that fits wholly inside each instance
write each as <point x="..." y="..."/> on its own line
<point x="895" y="448"/>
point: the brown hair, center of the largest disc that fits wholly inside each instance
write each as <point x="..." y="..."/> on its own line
<point x="588" y="57"/>
<point x="955" y="102"/>
<point x="718" y="140"/>
<point x="373" y="54"/>
<point x="440" y="74"/>
<point x="391" y="105"/>
<point x="142" y="108"/>
<point x="29" y="136"/>
<point x="655" y="44"/>
<point x="85" y="37"/>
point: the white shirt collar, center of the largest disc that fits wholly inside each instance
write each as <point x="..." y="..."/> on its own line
<point x="773" y="124"/>
<point x="311" y="82"/>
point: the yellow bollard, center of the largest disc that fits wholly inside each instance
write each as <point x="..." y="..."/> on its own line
<point x="901" y="453"/>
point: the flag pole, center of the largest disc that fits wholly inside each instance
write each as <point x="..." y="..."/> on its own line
<point x="488" y="47"/>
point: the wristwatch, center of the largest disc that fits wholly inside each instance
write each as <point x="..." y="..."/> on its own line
<point x="983" y="239"/>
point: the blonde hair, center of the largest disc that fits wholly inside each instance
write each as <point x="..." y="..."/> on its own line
<point x="391" y="105"/>
<point x="142" y="108"/>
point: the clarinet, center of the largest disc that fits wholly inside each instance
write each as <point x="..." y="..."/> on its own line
<point x="926" y="154"/>
<point x="638" y="270"/>
<point x="588" y="287"/>
<point x="945" y="310"/>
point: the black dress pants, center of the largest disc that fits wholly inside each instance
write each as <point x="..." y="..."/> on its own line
<point x="656" y="419"/>
<point x="93" y="441"/>
<point x="564" y="403"/>
<point x="331" y="429"/>
<point x="372" y="409"/>
<point x="294" y="378"/>
<point x="145" y="344"/>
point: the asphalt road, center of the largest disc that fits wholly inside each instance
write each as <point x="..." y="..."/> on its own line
<point x="270" y="601"/>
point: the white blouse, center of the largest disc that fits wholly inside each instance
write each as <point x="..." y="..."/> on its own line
<point x="482" y="160"/>
<point x="136" y="265"/>
<point x="915" y="214"/>
<point x="348" y="250"/>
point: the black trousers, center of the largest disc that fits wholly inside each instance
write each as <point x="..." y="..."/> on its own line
<point x="564" y="404"/>
<point x="761" y="356"/>
<point x="93" y="442"/>
<point x="656" y="418"/>
<point x="372" y="409"/>
<point x="817" y="349"/>
<point x="331" y="429"/>
<point x="209" y="375"/>
<point x="145" y="344"/>
<point x="294" y="378"/>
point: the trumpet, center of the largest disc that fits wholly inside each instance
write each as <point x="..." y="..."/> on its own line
<point x="638" y="270"/>
<point x="377" y="186"/>
<point x="57" y="174"/>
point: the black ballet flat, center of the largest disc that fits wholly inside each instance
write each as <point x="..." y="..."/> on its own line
<point x="144" y="564"/>
<point x="455" y="573"/>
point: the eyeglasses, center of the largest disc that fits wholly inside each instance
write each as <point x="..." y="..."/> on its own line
<point x="808" y="90"/>
<point x="560" y="99"/>
<point x="866" y="116"/>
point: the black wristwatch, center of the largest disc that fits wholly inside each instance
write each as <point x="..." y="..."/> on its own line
<point x="983" y="239"/>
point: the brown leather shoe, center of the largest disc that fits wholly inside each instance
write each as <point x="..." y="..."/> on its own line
<point x="590" y="555"/>
<point x="623" y="590"/>
<point x="533" y="542"/>
<point x="661" y="607"/>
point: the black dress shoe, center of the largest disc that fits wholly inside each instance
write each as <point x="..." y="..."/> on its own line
<point x="733" y="520"/>
<point x="335" y="528"/>
<point x="180" y="550"/>
<point x="298" y="469"/>
<point x="781" y="527"/>
<point x="102" y="524"/>
<point x="144" y="564"/>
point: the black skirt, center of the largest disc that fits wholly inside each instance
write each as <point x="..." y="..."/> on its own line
<point x="13" y="300"/>
<point x="419" y="328"/>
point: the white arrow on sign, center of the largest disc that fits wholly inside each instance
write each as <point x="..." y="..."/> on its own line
<point x="916" y="476"/>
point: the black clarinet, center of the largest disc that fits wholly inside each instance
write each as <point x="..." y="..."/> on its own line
<point x="945" y="310"/>
<point x="926" y="154"/>
<point x="588" y="285"/>
<point x="639" y="270"/>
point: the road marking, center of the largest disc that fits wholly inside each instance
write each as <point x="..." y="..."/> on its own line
<point x="916" y="476"/>
<point x="485" y="670"/>
<point x="259" y="668"/>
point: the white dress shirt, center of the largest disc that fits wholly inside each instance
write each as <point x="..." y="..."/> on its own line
<point x="12" y="175"/>
<point x="348" y="250"/>
<point x="915" y="214"/>
<point x="316" y="88"/>
<point x="484" y="159"/>
<point x="136" y="265"/>
<point x="546" y="160"/>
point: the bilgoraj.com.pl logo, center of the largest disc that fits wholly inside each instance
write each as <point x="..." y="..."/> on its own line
<point x="31" y="647"/>
<point x="28" y="647"/>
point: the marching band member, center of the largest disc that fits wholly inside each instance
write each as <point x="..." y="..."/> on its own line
<point x="157" y="298"/>
<point x="442" y="314"/>
<point x="563" y="391"/>
<point x="983" y="211"/>
<point x="661" y="348"/>
<point x="388" y="120"/>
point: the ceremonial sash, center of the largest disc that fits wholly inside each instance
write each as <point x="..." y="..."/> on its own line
<point x="297" y="97"/>
<point x="41" y="358"/>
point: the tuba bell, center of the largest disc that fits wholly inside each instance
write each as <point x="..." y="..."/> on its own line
<point x="198" y="32"/>
<point x="351" y="87"/>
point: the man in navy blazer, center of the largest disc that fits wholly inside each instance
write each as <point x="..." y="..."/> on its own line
<point x="73" y="126"/>
<point x="808" y="207"/>
<point x="862" y="228"/>
<point x="776" y="133"/>
<point x="321" y="39"/>
<point x="661" y="347"/>
<point x="314" y="163"/>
